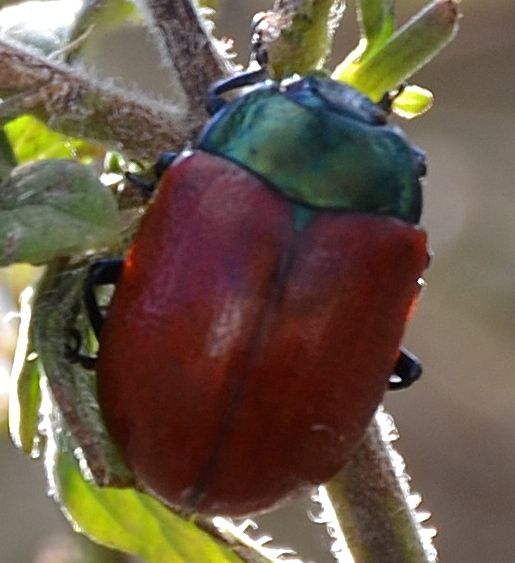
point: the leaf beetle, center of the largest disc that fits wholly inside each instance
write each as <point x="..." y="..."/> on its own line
<point x="257" y="316"/>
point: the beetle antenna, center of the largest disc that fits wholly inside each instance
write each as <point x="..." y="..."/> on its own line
<point x="214" y="96"/>
<point x="215" y="102"/>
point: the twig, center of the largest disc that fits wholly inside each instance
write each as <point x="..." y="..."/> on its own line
<point x="54" y="312"/>
<point x="372" y="502"/>
<point x="73" y="103"/>
<point x="188" y="46"/>
<point x="297" y="34"/>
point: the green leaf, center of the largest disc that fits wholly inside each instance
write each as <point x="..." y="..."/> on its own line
<point x="29" y="399"/>
<point x="131" y="521"/>
<point x="32" y="140"/>
<point x="376" y="21"/>
<point x="44" y="26"/>
<point x="108" y="14"/>
<point x="405" y="52"/>
<point x="412" y="102"/>
<point x="55" y="208"/>
<point x="97" y="19"/>
<point x="24" y="395"/>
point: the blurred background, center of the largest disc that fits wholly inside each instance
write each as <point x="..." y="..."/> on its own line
<point x="457" y="425"/>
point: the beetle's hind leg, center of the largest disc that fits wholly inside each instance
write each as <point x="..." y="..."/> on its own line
<point x="103" y="272"/>
<point x="407" y="370"/>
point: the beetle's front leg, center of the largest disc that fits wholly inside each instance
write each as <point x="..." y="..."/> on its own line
<point x="103" y="272"/>
<point x="408" y="369"/>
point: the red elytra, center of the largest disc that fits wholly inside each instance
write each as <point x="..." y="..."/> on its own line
<point x="242" y="358"/>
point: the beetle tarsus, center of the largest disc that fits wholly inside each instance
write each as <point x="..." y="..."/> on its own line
<point x="72" y="351"/>
<point x="103" y="272"/>
<point x="407" y="370"/>
<point x="386" y="102"/>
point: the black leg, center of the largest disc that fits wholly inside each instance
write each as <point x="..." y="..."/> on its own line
<point x="386" y="102"/>
<point x="214" y="97"/>
<point x="147" y="181"/>
<point x="73" y="354"/>
<point x="407" y="370"/>
<point x="103" y="272"/>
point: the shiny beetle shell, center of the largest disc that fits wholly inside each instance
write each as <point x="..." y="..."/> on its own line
<point x="255" y="326"/>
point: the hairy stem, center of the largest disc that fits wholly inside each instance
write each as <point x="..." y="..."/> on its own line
<point x="188" y="46"/>
<point x="54" y="314"/>
<point x="371" y="500"/>
<point x="297" y="34"/>
<point x="72" y="103"/>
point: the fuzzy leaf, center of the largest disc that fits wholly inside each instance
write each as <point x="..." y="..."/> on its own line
<point x="412" y="102"/>
<point x="97" y="19"/>
<point x="131" y="521"/>
<point x="32" y="140"/>
<point x="54" y="208"/>
<point x="44" y="26"/>
<point x="107" y="14"/>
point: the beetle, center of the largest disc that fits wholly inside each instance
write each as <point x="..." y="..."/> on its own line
<point x="256" y="320"/>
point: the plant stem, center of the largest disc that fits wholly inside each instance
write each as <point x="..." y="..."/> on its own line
<point x="376" y="21"/>
<point x="187" y="45"/>
<point x="72" y="103"/>
<point x="406" y="51"/>
<point x="371" y="500"/>
<point x="58" y="296"/>
<point x="297" y="34"/>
